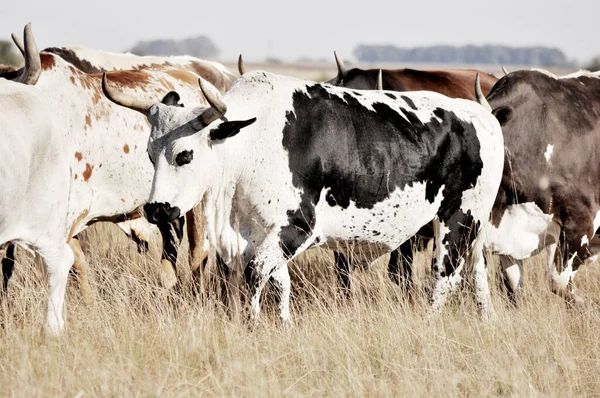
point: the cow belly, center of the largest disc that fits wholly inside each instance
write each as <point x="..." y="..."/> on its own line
<point x="523" y="231"/>
<point x="372" y="232"/>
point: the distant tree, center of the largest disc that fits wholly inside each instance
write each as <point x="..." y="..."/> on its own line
<point x="489" y="54"/>
<point x="200" y="46"/>
<point x="594" y="64"/>
<point x="8" y="56"/>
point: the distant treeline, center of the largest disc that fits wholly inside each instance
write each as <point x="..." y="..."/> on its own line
<point x="201" y="47"/>
<point x="489" y="54"/>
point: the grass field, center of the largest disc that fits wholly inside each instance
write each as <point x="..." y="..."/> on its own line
<point x="139" y="340"/>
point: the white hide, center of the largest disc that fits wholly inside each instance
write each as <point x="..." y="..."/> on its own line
<point x="34" y="174"/>
<point x="523" y="231"/>
<point x="107" y="60"/>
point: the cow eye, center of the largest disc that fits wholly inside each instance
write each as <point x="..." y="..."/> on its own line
<point x="184" y="157"/>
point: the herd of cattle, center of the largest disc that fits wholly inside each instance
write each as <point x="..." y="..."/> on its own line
<point x="364" y="164"/>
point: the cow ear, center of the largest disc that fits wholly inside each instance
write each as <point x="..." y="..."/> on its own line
<point x="172" y="99"/>
<point x="229" y="129"/>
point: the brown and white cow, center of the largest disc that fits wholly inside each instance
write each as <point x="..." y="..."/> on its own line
<point x="110" y="175"/>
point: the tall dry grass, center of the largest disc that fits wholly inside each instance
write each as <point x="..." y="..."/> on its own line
<point x="139" y="340"/>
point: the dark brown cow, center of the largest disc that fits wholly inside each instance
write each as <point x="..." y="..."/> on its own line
<point x="457" y="83"/>
<point x="549" y="197"/>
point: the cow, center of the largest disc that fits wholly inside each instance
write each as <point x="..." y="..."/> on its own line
<point x="547" y="199"/>
<point x="131" y="223"/>
<point x="281" y="165"/>
<point x="110" y="177"/>
<point x="91" y="60"/>
<point x="34" y="174"/>
<point x="454" y="83"/>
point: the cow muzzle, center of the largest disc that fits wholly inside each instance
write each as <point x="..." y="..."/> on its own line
<point x="160" y="213"/>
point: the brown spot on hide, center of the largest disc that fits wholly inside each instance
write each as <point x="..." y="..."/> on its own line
<point x="78" y="156"/>
<point x="129" y="78"/>
<point x="126" y="148"/>
<point x="88" y="171"/>
<point x="184" y="76"/>
<point x="72" y="78"/>
<point x="47" y="60"/>
<point x="96" y="99"/>
<point x="88" y="120"/>
<point x="75" y="177"/>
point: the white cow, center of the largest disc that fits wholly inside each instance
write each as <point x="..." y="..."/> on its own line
<point x="34" y="174"/>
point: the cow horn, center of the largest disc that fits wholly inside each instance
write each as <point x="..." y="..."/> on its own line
<point x="479" y="94"/>
<point x="340" y="65"/>
<point x="241" y="67"/>
<point x="33" y="65"/>
<point x="504" y="70"/>
<point x="217" y="108"/>
<point x="125" y="100"/>
<point x="18" y="43"/>
<point x="380" y="80"/>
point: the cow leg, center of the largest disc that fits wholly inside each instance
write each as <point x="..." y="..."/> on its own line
<point x="80" y="267"/>
<point x="478" y="264"/>
<point x="281" y="279"/>
<point x="195" y="233"/>
<point x="512" y="276"/>
<point x="268" y="258"/>
<point x="58" y="259"/>
<point x="402" y="276"/>
<point x="572" y="252"/>
<point x="453" y="238"/>
<point x="223" y="275"/>
<point x="342" y="267"/>
<point x="8" y="265"/>
<point x="171" y="234"/>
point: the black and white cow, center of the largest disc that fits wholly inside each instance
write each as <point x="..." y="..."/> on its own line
<point x="281" y="165"/>
<point x="549" y="194"/>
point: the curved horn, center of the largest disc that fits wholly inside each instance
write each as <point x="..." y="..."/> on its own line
<point x="18" y="43"/>
<point x="479" y="94"/>
<point x="125" y="100"/>
<point x="33" y="64"/>
<point x="504" y="70"/>
<point x="380" y="80"/>
<point x="217" y="107"/>
<point x="340" y="65"/>
<point x="241" y="66"/>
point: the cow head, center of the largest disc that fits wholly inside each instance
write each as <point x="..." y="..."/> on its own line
<point x="181" y="149"/>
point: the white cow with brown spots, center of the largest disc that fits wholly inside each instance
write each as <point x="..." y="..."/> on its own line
<point x="135" y="226"/>
<point x="105" y="145"/>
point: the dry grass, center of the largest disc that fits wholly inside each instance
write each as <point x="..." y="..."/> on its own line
<point x="138" y="340"/>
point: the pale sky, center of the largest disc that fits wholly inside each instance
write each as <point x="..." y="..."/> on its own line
<point x="309" y="28"/>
